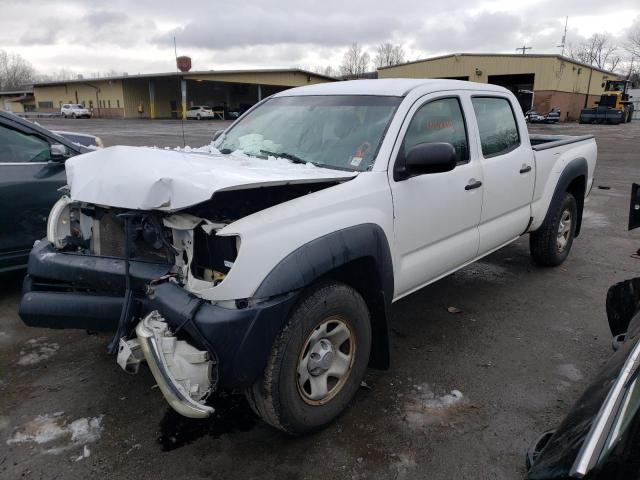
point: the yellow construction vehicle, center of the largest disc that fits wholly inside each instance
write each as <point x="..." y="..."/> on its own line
<point x="615" y="105"/>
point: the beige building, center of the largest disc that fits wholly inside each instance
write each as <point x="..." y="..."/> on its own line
<point x="168" y="95"/>
<point x="17" y="101"/>
<point x="540" y="81"/>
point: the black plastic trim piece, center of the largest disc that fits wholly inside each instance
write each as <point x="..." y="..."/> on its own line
<point x="100" y="273"/>
<point x="576" y="168"/>
<point x="553" y="141"/>
<point x="328" y="254"/>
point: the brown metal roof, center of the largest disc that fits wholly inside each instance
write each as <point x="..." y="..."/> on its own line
<point x="181" y="74"/>
<point x="529" y="55"/>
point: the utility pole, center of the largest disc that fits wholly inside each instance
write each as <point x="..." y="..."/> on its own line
<point x="564" y="36"/>
<point x="523" y="48"/>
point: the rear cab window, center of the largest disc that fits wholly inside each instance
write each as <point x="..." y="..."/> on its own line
<point x="496" y="124"/>
<point x="439" y="120"/>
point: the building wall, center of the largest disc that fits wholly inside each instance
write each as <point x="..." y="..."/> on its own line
<point x="569" y="103"/>
<point x="557" y="82"/>
<point x="108" y="102"/>
<point x="135" y="93"/>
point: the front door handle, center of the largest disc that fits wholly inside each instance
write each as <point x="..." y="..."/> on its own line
<point x="525" y="168"/>
<point x="472" y="185"/>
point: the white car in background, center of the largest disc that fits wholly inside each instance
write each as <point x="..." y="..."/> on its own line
<point x="200" y="112"/>
<point x="74" y="110"/>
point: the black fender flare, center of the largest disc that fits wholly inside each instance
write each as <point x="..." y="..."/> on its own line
<point x="328" y="254"/>
<point x="578" y="167"/>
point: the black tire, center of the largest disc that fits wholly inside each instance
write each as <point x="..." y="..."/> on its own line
<point x="198" y="117"/>
<point x="277" y="397"/>
<point x="544" y="243"/>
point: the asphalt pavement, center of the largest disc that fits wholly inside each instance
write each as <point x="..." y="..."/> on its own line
<point x="469" y="388"/>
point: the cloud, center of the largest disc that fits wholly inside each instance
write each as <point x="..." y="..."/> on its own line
<point x="94" y="36"/>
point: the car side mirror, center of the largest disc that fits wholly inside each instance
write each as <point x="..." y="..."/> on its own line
<point x="424" y="158"/>
<point x="58" y="152"/>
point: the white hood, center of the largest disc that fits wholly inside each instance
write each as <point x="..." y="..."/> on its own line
<point x="148" y="178"/>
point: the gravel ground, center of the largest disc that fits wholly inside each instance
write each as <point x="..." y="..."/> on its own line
<point x="466" y="394"/>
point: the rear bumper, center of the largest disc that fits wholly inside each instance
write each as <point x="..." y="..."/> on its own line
<point x="65" y="290"/>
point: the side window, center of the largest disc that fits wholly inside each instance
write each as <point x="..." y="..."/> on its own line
<point x="497" y="125"/>
<point x="18" y="147"/>
<point x="439" y="121"/>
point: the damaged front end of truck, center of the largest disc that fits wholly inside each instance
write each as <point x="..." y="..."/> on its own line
<point x="143" y="256"/>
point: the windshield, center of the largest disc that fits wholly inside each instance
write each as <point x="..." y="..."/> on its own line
<point x="340" y="131"/>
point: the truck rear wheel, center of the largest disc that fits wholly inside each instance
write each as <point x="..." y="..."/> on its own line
<point x="317" y="363"/>
<point x="551" y="243"/>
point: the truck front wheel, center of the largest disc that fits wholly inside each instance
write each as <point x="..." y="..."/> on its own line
<point x="551" y="243"/>
<point x="317" y="363"/>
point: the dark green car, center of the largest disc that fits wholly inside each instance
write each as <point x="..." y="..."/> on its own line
<point x="31" y="172"/>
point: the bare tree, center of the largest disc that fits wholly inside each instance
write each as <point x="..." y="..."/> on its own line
<point x="633" y="41"/>
<point x="61" y="74"/>
<point x="598" y="50"/>
<point x="388" y="55"/>
<point x="15" y="71"/>
<point x="355" y="62"/>
<point x="326" y="70"/>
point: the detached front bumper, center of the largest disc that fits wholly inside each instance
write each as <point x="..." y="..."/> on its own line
<point x="66" y="290"/>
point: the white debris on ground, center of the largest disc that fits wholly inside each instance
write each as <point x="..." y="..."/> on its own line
<point x="36" y="350"/>
<point x="425" y="407"/>
<point x="4" y="337"/>
<point x="56" y="432"/>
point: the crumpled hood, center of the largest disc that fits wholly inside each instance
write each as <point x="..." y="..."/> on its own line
<point x="151" y="179"/>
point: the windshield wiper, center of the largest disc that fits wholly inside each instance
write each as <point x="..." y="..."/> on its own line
<point x="288" y="156"/>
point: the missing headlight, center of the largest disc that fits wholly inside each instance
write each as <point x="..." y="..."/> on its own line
<point x="213" y="256"/>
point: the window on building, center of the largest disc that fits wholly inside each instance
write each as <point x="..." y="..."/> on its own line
<point x="83" y="104"/>
<point x="109" y="103"/>
<point x="90" y="103"/>
<point x="18" y="147"/>
<point x="497" y="125"/>
<point x="439" y="121"/>
<point x="46" y="104"/>
<point x="118" y="103"/>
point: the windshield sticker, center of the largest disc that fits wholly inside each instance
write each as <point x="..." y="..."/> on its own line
<point x="356" y="161"/>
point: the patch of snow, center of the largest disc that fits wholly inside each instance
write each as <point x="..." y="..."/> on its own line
<point x="36" y="350"/>
<point x="570" y="372"/>
<point x="56" y="429"/>
<point x="425" y="407"/>
<point x="4" y="336"/>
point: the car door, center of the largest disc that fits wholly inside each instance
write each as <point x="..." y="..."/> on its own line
<point x="436" y="215"/>
<point x="508" y="170"/>
<point x="29" y="183"/>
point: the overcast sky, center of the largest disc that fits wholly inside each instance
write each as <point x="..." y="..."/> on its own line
<point x="137" y="36"/>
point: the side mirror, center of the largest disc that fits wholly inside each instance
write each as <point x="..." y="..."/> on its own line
<point x="426" y="158"/>
<point x="58" y="152"/>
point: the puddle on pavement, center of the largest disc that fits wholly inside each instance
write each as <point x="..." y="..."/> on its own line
<point x="232" y="414"/>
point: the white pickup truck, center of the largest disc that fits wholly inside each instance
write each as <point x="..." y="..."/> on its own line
<point x="269" y="261"/>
